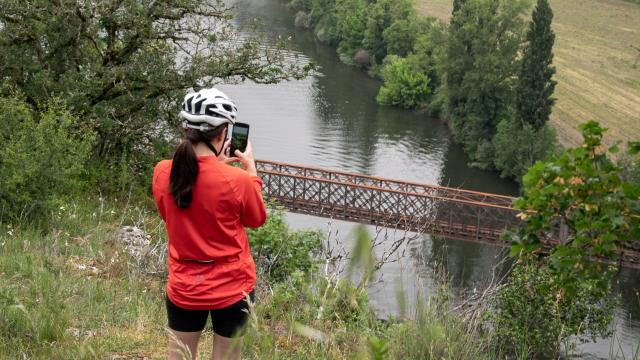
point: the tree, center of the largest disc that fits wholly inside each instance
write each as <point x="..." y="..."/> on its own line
<point x="582" y="189"/>
<point x="42" y="157"/>
<point x="480" y="66"/>
<point x="518" y="146"/>
<point x="351" y="17"/>
<point x="548" y="299"/>
<point x="400" y="37"/>
<point x="404" y="85"/>
<point x="535" y="84"/>
<point x="123" y="66"/>
<point x="383" y="13"/>
<point x="531" y="318"/>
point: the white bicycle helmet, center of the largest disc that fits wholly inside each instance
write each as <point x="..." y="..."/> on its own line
<point x="207" y="107"/>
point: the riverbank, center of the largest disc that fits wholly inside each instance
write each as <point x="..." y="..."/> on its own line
<point x="598" y="69"/>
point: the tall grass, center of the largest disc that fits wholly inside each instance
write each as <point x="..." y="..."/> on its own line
<point x="74" y="291"/>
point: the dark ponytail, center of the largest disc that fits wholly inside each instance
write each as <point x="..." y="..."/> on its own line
<point x="184" y="170"/>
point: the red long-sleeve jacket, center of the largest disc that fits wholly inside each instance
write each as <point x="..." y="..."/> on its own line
<point x="210" y="263"/>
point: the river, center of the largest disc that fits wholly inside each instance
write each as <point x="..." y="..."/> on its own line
<point x="331" y="120"/>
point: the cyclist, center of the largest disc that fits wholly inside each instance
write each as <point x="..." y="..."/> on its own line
<point x="205" y="204"/>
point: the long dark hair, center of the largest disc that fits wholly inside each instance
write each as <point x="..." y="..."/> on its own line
<point x="184" y="170"/>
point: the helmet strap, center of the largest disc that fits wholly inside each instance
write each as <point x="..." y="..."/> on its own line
<point x="210" y="145"/>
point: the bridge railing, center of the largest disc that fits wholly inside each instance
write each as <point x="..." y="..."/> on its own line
<point x="437" y="210"/>
<point x="451" y="212"/>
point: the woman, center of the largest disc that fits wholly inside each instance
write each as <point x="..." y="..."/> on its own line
<point x="205" y="203"/>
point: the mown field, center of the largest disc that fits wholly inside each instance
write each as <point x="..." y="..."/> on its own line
<point x="598" y="67"/>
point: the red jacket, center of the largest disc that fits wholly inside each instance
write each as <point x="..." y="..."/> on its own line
<point x="210" y="231"/>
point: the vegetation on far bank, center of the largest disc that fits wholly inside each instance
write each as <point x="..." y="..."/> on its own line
<point x="598" y="68"/>
<point x="488" y="73"/>
<point x="470" y="69"/>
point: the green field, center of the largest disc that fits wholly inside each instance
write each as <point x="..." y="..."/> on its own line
<point x="598" y="68"/>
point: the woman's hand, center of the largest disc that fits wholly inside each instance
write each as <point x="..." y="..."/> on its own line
<point x="223" y="154"/>
<point x="244" y="158"/>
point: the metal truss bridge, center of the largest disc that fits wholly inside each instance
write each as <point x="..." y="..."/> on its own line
<point x="430" y="209"/>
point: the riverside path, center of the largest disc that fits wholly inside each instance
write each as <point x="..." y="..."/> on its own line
<point x="422" y="208"/>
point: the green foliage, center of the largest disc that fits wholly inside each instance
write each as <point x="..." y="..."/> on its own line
<point x="582" y="189"/>
<point x="381" y="15"/>
<point x="479" y="66"/>
<point x="124" y="66"/>
<point x="631" y="167"/>
<point x="72" y="292"/>
<point x="400" y="36"/>
<point x="517" y="147"/>
<point x="535" y="88"/>
<point x="351" y="18"/>
<point x="532" y="317"/>
<point x="282" y="252"/>
<point x="404" y="86"/>
<point x="42" y="158"/>
<point x="379" y="348"/>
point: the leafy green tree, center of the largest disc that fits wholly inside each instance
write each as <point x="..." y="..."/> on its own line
<point x="123" y="65"/>
<point x="323" y="16"/>
<point x="351" y="18"/>
<point x="518" y="146"/>
<point x="580" y="199"/>
<point x="42" y="158"/>
<point x="480" y="66"/>
<point x="531" y="319"/>
<point x="534" y="100"/>
<point x="404" y="85"/>
<point x="400" y="36"/>
<point x="381" y="14"/>
<point x="429" y="47"/>
<point x="583" y="190"/>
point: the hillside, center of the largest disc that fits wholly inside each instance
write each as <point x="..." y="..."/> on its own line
<point x="598" y="69"/>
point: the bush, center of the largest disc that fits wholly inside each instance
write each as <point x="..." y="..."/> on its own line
<point x="518" y="147"/>
<point x="42" y="158"/>
<point x="403" y="85"/>
<point x="302" y="20"/>
<point x="351" y="16"/>
<point x="400" y="37"/>
<point x="280" y="252"/>
<point x="533" y="316"/>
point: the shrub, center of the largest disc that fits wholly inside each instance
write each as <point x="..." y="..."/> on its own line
<point x="42" y="158"/>
<point x="403" y="85"/>
<point x="281" y="252"/>
<point x="533" y="317"/>
<point x="518" y="147"/>
<point x="302" y="20"/>
<point x="400" y="37"/>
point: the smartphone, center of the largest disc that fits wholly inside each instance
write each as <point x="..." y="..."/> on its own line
<point x="239" y="138"/>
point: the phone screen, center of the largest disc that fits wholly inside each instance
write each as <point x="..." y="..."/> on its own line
<point x="239" y="137"/>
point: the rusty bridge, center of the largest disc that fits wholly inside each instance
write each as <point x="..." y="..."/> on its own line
<point x="430" y="209"/>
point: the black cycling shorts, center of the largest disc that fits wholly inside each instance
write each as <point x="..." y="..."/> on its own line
<point x="228" y="322"/>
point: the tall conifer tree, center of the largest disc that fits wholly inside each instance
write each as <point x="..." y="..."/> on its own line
<point x="535" y="86"/>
